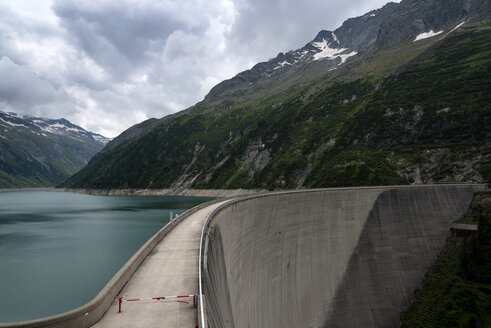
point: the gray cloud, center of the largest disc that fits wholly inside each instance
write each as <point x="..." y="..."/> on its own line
<point x="22" y="88"/>
<point x="117" y="35"/>
<point x="108" y="64"/>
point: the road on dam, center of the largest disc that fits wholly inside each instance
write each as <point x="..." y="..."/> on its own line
<point x="171" y="269"/>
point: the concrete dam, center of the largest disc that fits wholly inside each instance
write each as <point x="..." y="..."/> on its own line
<point x="349" y="257"/>
<point x="340" y="257"/>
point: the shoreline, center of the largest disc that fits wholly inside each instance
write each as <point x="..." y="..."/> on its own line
<point x="164" y="192"/>
<point x="27" y="189"/>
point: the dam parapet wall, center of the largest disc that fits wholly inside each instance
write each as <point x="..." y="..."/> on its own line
<point x="345" y="257"/>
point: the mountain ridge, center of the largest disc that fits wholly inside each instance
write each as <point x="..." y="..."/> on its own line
<point x="294" y="128"/>
<point x="370" y="31"/>
<point x="42" y="152"/>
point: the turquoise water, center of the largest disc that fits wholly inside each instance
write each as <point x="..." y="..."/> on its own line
<point x="58" y="250"/>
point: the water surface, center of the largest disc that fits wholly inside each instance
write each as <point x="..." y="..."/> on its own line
<point x="58" y="250"/>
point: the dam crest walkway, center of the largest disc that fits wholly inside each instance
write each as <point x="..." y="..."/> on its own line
<point x="170" y="269"/>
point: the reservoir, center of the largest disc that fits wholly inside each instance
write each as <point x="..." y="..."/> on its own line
<point x="58" y="250"/>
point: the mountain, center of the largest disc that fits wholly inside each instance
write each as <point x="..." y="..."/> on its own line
<point x="39" y="152"/>
<point x="380" y="28"/>
<point x="397" y="96"/>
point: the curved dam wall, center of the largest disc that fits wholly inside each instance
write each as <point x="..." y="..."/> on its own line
<point x="349" y="257"/>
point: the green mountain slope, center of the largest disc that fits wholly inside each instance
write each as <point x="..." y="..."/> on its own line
<point x="37" y="152"/>
<point x="412" y="112"/>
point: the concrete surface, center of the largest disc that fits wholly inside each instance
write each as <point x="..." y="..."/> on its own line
<point x="349" y="257"/>
<point x="464" y="229"/>
<point x="170" y="269"/>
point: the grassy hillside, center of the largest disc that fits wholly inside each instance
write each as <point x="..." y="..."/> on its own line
<point x="414" y="112"/>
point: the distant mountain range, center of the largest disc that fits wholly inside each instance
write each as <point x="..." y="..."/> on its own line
<point x="399" y="95"/>
<point x="40" y="152"/>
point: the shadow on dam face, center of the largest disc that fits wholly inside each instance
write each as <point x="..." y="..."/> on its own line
<point x="349" y="257"/>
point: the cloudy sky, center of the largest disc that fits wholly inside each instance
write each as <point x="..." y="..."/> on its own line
<point x="108" y="64"/>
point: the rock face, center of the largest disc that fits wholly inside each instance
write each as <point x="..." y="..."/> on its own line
<point x="38" y="152"/>
<point x="396" y="96"/>
<point x="361" y="33"/>
<point x="415" y="17"/>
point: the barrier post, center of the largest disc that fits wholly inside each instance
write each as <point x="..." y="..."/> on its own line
<point x="120" y="301"/>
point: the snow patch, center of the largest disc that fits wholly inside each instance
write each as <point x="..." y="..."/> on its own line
<point x="303" y="53"/>
<point x="74" y="129"/>
<point x="327" y="52"/>
<point x="101" y="139"/>
<point x="334" y="37"/>
<point x="426" y="35"/>
<point x="12" y="114"/>
<point x="456" y="27"/>
<point x="56" y="128"/>
<point x="282" y="64"/>
<point x="64" y="127"/>
<point x="346" y="56"/>
<point x="47" y="128"/>
<point x="320" y="45"/>
<point x="13" y="124"/>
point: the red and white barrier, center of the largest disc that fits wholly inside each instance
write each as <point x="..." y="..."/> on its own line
<point x="160" y="298"/>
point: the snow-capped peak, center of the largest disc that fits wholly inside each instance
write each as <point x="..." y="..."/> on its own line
<point x="57" y="127"/>
<point x="325" y="45"/>
<point x="41" y="126"/>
